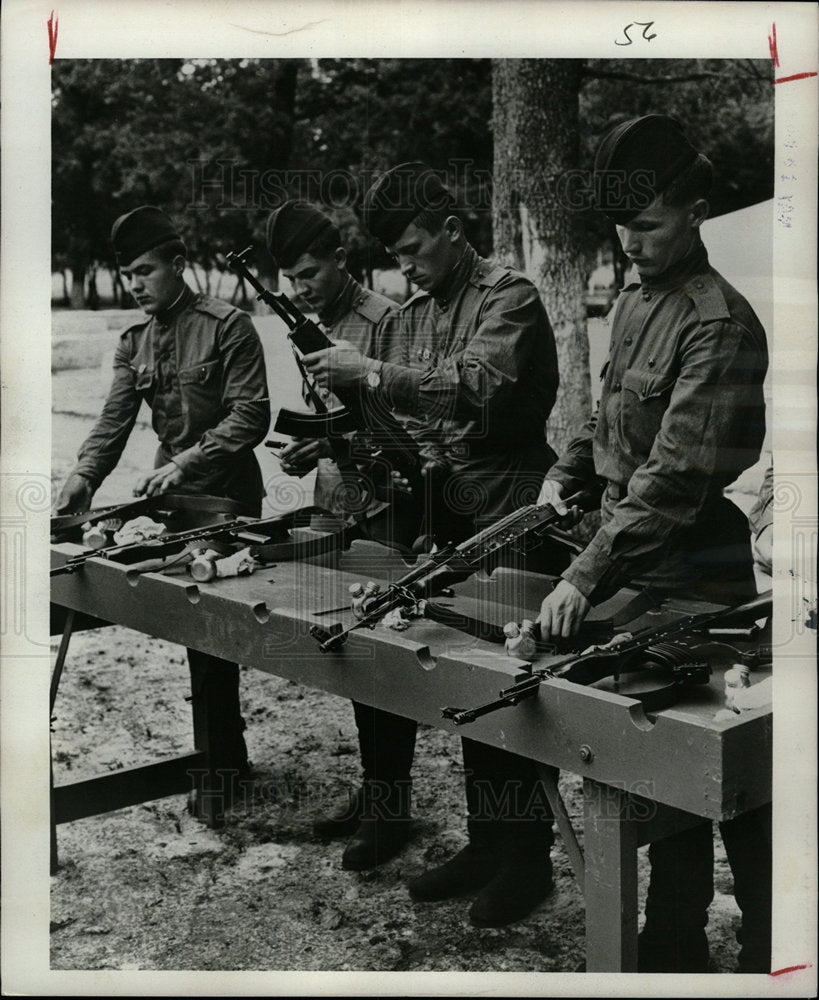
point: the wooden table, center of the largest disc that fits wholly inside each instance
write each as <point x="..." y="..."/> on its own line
<point x="645" y="776"/>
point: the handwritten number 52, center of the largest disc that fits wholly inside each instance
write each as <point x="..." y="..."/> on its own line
<point x="645" y="25"/>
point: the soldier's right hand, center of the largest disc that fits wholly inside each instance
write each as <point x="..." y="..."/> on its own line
<point x="75" y="496"/>
<point x="300" y="457"/>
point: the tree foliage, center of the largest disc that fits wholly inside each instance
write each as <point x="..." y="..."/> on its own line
<point x="219" y="143"/>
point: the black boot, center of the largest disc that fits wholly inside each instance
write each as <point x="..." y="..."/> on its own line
<point x="345" y="820"/>
<point x="385" y="825"/>
<point x="523" y="878"/>
<point x="375" y="842"/>
<point x="470" y="869"/>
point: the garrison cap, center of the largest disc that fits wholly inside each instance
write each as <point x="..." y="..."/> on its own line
<point x="139" y="231"/>
<point x="291" y="229"/>
<point x="399" y="196"/>
<point x="637" y="160"/>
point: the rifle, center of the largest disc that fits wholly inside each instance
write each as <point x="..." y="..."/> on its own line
<point x="658" y="646"/>
<point x="451" y="564"/>
<point x="255" y="532"/>
<point x="386" y="438"/>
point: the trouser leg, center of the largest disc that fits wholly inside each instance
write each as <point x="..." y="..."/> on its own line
<point x="680" y="891"/>
<point x="747" y="842"/>
<point x="507" y="806"/>
<point x="387" y="745"/>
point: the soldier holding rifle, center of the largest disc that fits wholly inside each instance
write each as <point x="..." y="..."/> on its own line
<point x="198" y="363"/>
<point x="470" y="362"/>
<point x="307" y="247"/>
<point x="681" y="416"/>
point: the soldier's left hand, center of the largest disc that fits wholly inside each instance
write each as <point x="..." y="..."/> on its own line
<point x="339" y="366"/>
<point x="563" y="611"/>
<point x="160" y="480"/>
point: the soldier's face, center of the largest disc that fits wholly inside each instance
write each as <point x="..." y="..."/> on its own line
<point x="154" y="282"/>
<point x="426" y="258"/>
<point x="317" y="281"/>
<point x="660" y="236"/>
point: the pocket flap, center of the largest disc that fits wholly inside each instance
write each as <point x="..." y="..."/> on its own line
<point x="647" y="385"/>
<point x="143" y="377"/>
<point x="199" y="373"/>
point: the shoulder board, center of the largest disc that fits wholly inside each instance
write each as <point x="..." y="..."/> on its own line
<point x="707" y="297"/>
<point x="418" y="296"/>
<point x="217" y="308"/>
<point x="373" y="306"/>
<point x="487" y="275"/>
<point x="138" y="325"/>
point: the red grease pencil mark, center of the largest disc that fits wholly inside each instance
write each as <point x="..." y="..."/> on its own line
<point x="790" y="968"/>
<point x="53" y="24"/>
<point x="796" y="76"/>
<point x="772" y="44"/>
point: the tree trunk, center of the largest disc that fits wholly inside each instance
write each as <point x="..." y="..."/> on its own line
<point x="78" y="286"/>
<point x="535" y="126"/>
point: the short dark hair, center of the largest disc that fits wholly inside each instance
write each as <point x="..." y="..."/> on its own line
<point x="694" y="182"/>
<point x="325" y="244"/>
<point x="169" y="249"/>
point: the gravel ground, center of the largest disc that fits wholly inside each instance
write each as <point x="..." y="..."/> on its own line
<point x="150" y="888"/>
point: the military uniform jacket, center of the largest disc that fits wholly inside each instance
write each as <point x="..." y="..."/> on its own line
<point x="474" y="370"/>
<point x="200" y="368"/>
<point x="353" y="316"/>
<point x="681" y="415"/>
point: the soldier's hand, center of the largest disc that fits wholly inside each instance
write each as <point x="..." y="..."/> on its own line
<point x="300" y="457"/>
<point x="339" y="366"/>
<point x="552" y="492"/>
<point x="160" y="480"/>
<point x="75" y="496"/>
<point x="563" y="611"/>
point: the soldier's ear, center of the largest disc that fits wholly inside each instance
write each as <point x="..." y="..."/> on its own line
<point x="698" y="212"/>
<point x="454" y="228"/>
<point x="340" y="257"/>
<point x="179" y="265"/>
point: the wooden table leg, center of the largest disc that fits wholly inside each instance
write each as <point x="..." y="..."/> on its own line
<point x="610" y="849"/>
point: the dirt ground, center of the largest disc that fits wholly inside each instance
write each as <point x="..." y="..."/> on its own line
<point x="150" y="888"/>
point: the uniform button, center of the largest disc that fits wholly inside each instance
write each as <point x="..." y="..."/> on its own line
<point x="698" y="284"/>
<point x="617" y="387"/>
<point x="646" y="296"/>
<point x="627" y="341"/>
<point x="651" y="362"/>
<point x="444" y="307"/>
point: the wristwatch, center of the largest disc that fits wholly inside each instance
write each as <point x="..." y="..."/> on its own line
<point x="374" y="375"/>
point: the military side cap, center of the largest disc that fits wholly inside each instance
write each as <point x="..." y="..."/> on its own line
<point x="637" y="160"/>
<point x="139" y="231"/>
<point x="291" y="229"/>
<point x="401" y="194"/>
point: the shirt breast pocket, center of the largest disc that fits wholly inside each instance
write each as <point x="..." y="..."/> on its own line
<point x="144" y="380"/>
<point x="644" y="399"/>
<point x="199" y="386"/>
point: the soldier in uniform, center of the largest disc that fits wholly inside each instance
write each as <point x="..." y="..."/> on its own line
<point x="681" y="415"/>
<point x="307" y="248"/>
<point x="198" y="363"/>
<point x="470" y="362"/>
